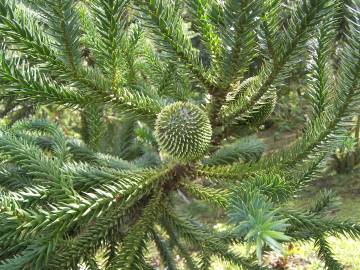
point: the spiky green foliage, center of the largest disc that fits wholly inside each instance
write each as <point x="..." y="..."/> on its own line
<point x="244" y="149"/>
<point x="256" y="221"/>
<point x="166" y="91"/>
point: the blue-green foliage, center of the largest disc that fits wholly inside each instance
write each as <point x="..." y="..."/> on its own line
<point x="166" y="90"/>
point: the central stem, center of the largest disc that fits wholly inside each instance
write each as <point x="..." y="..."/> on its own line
<point x="218" y="98"/>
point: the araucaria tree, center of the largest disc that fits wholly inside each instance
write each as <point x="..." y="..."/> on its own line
<point x="177" y="84"/>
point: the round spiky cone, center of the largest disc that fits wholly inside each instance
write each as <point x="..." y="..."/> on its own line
<point x="183" y="130"/>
